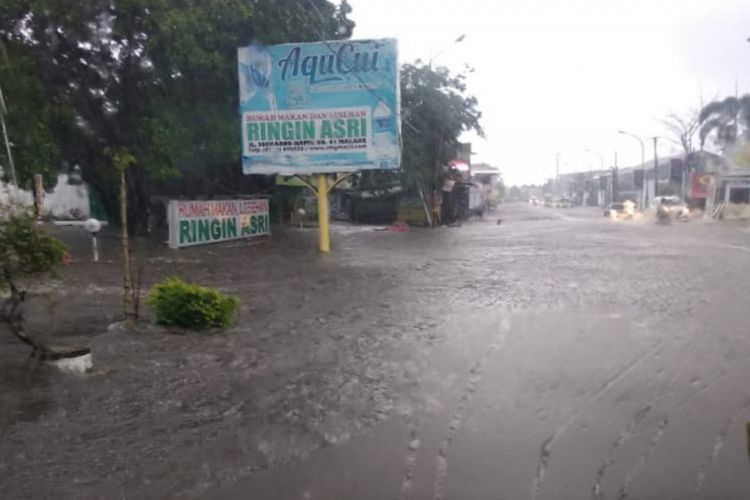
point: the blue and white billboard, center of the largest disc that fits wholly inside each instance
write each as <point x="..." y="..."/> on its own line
<point x="320" y="107"/>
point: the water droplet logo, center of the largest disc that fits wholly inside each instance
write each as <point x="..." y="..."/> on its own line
<point x="255" y="75"/>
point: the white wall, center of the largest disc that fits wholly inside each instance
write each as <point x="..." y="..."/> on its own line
<point x="66" y="201"/>
<point x="736" y="211"/>
<point x="9" y="194"/>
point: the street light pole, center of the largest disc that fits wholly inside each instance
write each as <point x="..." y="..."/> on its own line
<point x="644" y="193"/>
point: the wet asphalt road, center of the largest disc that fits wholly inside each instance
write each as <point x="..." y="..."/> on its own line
<point x="558" y="355"/>
<point x="589" y="359"/>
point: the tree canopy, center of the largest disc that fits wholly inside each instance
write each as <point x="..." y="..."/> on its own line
<point x="728" y="120"/>
<point x="157" y="78"/>
<point x="435" y="112"/>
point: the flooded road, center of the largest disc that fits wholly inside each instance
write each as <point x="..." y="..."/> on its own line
<point x="556" y="355"/>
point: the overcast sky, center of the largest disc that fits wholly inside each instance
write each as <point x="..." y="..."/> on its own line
<point x="563" y="76"/>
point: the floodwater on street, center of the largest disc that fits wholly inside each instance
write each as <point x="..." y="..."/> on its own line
<point x="556" y="355"/>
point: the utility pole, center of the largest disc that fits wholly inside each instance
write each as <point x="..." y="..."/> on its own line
<point x="615" y="182"/>
<point x="656" y="167"/>
<point x="643" y="166"/>
<point x="12" y="166"/>
<point x="591" y="177"/>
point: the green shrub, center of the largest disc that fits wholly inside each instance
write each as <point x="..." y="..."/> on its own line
<point x="177" y="303"/>
<point x="25" y="249"/>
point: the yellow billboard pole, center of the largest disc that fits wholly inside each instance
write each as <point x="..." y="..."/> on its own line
<point x="322" y="193"/>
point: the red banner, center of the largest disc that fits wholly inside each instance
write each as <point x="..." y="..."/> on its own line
<point x="699" y="185"/>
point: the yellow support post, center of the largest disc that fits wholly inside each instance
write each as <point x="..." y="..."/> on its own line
<point x="325" y="239"/>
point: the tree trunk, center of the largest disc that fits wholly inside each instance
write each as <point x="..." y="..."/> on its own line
<point x="127" y="278"/>
<point x="12" y="314"/>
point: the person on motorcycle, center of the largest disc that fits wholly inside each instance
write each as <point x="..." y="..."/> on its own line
<point x="628" y="208"/>
<point x="663" y="212"/>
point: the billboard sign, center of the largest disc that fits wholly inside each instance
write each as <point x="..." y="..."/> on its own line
<point x="700" y="184"/>
<point x="319" y="107"/>
<point x="200" y="222"/>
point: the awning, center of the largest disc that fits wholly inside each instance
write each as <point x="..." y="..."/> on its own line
<point x="459" y="165"/>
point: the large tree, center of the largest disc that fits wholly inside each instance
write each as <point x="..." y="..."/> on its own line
<point x="155" y="78"/>
<point x="683" y="127"/>
<point x="435" y="111"/>
<point x="29" y="118"/>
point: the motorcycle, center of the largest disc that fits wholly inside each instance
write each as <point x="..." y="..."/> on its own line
<point x="663" y="215"/>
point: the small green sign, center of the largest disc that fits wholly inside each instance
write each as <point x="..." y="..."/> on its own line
<point x="201" y="222"/>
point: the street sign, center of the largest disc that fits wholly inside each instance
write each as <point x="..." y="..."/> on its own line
<point x="319" y="107"/>
<point x="200" y="222"/>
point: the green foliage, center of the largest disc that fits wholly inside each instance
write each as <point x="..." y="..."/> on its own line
<point x="29" y="118"/>
<point x="191" y="306"/>
<point x="728" y="120"/>
<point x="155" y="77"/>
<point x="25" y="249"/>
<point x="122" y="159"/>
<point x="435" y="112"/>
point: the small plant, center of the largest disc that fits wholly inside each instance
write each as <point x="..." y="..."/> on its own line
<point x="185" y="305"/>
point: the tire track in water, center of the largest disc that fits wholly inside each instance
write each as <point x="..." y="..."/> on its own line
<point x="629" y="431"/>
<point x="414" y="441"/>
<point x="625" y="488"/>
<point x="412" y="449"/>
<point x="545" y="450"/>
<point x="624" y="435"/>
<point x="624" y="491"/>
<point x="441" y="461"/>
<point x="705" y="468"/>
<point x="475" y="376"/>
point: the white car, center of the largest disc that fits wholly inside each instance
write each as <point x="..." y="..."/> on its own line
<point x="677" y="207"/>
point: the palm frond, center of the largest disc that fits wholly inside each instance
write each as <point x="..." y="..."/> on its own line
<point x="709" y="126"/>
<point x="728" y="108"/>
<point x="711" y="109"/>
